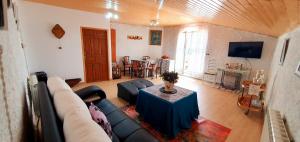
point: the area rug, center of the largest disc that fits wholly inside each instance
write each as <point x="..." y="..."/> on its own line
<point x="202" y="130"/>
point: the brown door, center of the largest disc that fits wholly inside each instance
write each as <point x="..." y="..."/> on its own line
<point x="113" y="45"/>
<point x="95" y="54"/>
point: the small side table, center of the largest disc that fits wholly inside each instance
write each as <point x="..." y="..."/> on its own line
<point x="245" y="100"/>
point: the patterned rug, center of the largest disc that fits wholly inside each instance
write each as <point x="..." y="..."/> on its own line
<point x="202" y="130"/>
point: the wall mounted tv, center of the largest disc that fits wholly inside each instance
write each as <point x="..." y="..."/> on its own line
<point x="245" y="49"/>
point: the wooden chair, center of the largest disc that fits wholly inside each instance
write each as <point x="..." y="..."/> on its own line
<point x="126" y="64"/>
<point x="152" y="69"/>
<point x="158" y="65"/>
<point x="145" y="57"/>
<point x="137" y="68"/>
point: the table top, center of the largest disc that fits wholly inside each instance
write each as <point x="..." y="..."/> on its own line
<point x="181" y="93"/>
<point x="234" y="70"/>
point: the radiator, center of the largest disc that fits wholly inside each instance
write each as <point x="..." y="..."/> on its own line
<point x="277" y="129"/>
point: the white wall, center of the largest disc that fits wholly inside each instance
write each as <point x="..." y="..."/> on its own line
<point x="217" y="45"/>
<point x="13" y="84"/>
<point x="135" y="48"/>
<point x="41" y="46"/>
<point x="283" y="92"/>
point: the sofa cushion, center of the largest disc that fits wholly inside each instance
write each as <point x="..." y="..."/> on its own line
<point x="130" y="126"/>
<point x="115" y="138"/>
<point x="116" y="117"/>
<point x="106" y="106"/>
<point x="99" y="117"/>
<point x="56" y="84"/>
<point x="66" y="101"/>
<point x="141" y="135"/>
<point x="78" y="128"/>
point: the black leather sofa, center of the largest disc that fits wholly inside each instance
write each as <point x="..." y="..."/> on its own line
<point x="130" y="89"/>
<point x="124" y="128"/>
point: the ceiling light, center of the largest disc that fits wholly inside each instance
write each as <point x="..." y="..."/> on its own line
<point x="154" y="22"/>
<point x="108" y="15"/>
<point x="115" y="7"/>
<point x="110" y="4"/>
<point x="116" y="17"/>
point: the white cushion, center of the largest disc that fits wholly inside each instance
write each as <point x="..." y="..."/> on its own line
<point x="66" y="101"/>
<point x="55" y="84"/>
<point x="78" y="128"/>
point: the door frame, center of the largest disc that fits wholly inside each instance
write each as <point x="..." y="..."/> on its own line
<point x="82" y="49"/>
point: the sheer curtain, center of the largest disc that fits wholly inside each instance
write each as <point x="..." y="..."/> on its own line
<point x="179" y="62"/>
<point x="190" y="52"/>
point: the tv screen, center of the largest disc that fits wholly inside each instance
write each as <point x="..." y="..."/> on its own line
<point x="245" y="49"/>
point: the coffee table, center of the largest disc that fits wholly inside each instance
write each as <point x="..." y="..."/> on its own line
<point x="168" y="113"/>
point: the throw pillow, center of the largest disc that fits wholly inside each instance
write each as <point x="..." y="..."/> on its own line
<point x="99" y="117"/>
<point x="66" y="101"/>
<point x="79" y="128"/>
<point x="56" y="84"/>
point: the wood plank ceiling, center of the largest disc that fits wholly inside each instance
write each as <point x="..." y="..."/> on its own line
<point x="269" y="17"/>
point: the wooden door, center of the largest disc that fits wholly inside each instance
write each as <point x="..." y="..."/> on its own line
<point x="113" y="45"/>
<point x="95" y="47"/>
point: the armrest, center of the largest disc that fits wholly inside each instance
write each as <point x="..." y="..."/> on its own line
<point x="90" y="91"/>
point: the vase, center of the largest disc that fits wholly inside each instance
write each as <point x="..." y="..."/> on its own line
<point x="169" y="86"/>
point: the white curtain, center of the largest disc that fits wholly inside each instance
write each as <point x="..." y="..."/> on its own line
<point x="190" y="52"/>
<point x="180" y="53"/>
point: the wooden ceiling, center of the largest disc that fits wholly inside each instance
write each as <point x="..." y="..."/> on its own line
<point x="269" y="17"/>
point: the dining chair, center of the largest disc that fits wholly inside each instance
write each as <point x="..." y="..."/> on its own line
<point x="126" y="64"/>
<point x="145" y="57"/>
<point x="137" y="68"/>
<point x="145" y="67"/>
<point x="158" y="66"/>
<point x="152" y="70"/>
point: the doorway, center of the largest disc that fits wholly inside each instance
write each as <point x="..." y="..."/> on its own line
<point x="190" y="53"/>
<point x="95" y="54"/>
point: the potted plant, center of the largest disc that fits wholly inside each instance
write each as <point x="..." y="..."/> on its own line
<point x="169" y="78"/>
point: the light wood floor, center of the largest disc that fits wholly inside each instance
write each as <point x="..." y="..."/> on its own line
<point x="214" y="104"/>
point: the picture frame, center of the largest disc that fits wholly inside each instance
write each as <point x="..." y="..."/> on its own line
<point x="284" y="51"/>
<point x="155" y="37"/>
<point x="297" y="72"/>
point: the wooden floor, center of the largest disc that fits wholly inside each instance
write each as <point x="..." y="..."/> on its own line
<point x="214" y="104"/>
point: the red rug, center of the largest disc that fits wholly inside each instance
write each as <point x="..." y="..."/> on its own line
<point x="202" y="130"/>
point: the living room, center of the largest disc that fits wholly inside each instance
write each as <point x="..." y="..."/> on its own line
<point x="186" y="48"/>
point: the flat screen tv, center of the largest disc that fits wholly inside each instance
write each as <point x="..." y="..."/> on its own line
<point x="245" y="49"/>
